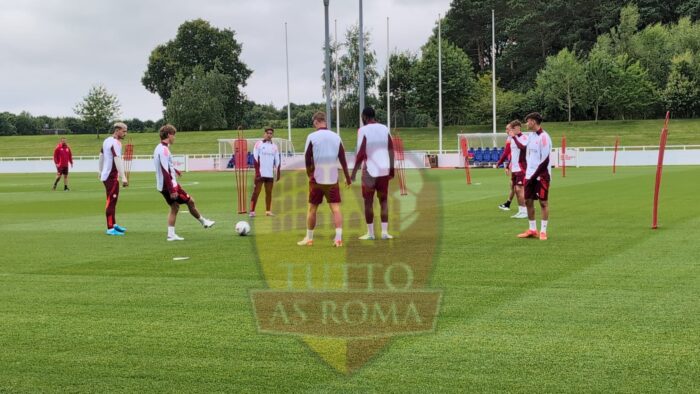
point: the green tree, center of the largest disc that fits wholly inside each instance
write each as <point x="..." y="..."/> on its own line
<point x="622" y="34"/>
<point x="562" y="82"/>
<point x="197" y="43"/>
<point x="199" y="102"/>
<point x="402" y="86"/>
<point x="601" y="73"/>
<point x="633" y="92"/>
<point x="349" y="73"/>
<point x="682" y="92"/>
<point x="7" y="124"/>
<point x="458" y="82"/>
<point x="98" y="109"/>
<point x="508" y="103"/>
<point x="653" y="48"/>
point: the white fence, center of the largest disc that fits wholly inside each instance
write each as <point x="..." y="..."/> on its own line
<point x="575" y="157"/>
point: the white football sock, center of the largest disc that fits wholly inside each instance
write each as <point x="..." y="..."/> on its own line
<point x="201" y="219"/>
<point x="309" y="234"/>
<point x="385" y="227"/>
<point x="522" y="209"/>
<point x="338" y="234"/>
<point x="533" y="224"/>
<point x="543" y="226"/>
<point x="171" y="231"/>
<point x="370" y="229"/>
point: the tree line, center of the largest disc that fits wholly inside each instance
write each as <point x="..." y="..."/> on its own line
<point x="593" y="59"/>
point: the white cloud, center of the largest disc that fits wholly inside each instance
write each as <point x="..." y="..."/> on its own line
<point x="54" y="50"/>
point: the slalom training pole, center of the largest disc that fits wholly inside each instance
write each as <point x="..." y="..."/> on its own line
<point x="563" y="156"/>
<point x="617" y="144"/>
<point x="659" y="169"/>
<point x="241" y="162"/>
<point x="464" y="145"/>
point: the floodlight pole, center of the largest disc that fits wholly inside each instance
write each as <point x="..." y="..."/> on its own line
<point x="337" y="83"/>
<point x="439" y="85"/>
<point x="493" y="68"/>
<point x="328" y="69"/>
<point x="289" y="110"/>
<point x="361" y="76"/>
<point x="388" y="78"/>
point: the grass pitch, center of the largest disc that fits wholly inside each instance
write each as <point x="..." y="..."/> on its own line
<point x="605" y="305"/>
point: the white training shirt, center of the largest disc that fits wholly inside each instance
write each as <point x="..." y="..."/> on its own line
<point x="376" y="148"/>
<point x="539" y="147"/>
<point x="111" y="148"/>
<point x="515" y="152"/>
<point x="325" y="147"/>
<point x="268" y="156"/>
<point x="165" y="171"/>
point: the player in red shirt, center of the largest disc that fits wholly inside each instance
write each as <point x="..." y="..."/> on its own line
<point x="62" y="157"/>
<point x="505" y="156"/>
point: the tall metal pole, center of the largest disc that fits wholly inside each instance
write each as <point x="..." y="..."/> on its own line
<point x="289" y="109"/>
<point x="361" y="91"/>
<point x="388" y="78"/>
<point x="337" y="83"/>
<point x="493" y="68"/>
<point x="439" y="84"/>
<point x="328" y="69"/>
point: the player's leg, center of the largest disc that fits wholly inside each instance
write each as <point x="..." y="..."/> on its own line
<point x="65" y="181"/>
<point x="58" y="178"/>
<point x="172" y="218"/>
<point x="112" y="191"/>
<point x="506" y="205"/>
<point x="310" y="225"/>
<point x="383" y="196"/>
<point x="268" y="197"/>
<point x="338" y="221"/>
<point x="368" y="189"/>
<point x="254" y="198"/>
<point x="184" y="198"/>
<point x="529" y="203"/>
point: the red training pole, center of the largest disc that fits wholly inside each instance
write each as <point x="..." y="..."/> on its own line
<point x="241" y="162"/>
<point x="617" y="144"/>
<point x="659" y="168"/>
<point x="399" y="166"/>
<point x="464" y="145"/>
<point x="563" y="156"/>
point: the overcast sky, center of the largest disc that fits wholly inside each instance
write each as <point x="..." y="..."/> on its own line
<point x="52" y="51"/>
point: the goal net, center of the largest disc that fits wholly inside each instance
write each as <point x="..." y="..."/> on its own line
<point x="226" y="150"/>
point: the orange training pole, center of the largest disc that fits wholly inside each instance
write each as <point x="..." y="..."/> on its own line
<point x="659" y="168"/>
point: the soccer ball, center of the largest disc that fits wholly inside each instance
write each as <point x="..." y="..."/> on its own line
<point x="242" y="228"/>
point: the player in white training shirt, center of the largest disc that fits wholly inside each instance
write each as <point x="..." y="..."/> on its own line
<point x="111" y="168"/>
<point x="166" y="183"/>
<point x="538" y="175"/>
<point x="322" y="152"/>
<point x="375" y="153"/>
<point x="518" y="163"/>
<point x="266" y="159"/>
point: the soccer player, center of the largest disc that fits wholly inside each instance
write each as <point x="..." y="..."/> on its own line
<point x="167" y="184"/>
<point x="62" y="157"/>
<point x="517" y="144"/>
<point x="505" y="156"/>
<point x="375" y="153"/>
<point x="322" y="152"/>
<point x="537" y="175"/>
<point x="111" y="169"/>
<point x="266" y="158"/>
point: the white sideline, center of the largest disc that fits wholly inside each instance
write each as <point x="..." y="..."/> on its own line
<point x="576" y="157"/>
